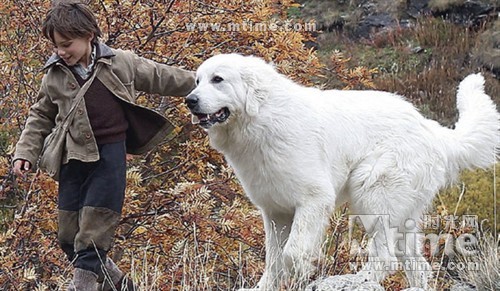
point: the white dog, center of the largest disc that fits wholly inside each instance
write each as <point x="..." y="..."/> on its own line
<point x="299" y="152"/>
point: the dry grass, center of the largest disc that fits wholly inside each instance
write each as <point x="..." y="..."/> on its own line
<point x="483" y="270"/>
<point x="445" y="60"/>
<point x="424" y="63"/>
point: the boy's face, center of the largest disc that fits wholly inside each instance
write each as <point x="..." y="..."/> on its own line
<point x="73" y="51"/>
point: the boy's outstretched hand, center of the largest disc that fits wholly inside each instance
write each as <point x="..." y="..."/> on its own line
<point x="21" y="167"/>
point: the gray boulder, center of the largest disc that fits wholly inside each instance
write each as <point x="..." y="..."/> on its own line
<point x="345" y="283"/>
<point x="462" y="287"/>
<point x="469" y="13"/>
<point x="487" y="51"/>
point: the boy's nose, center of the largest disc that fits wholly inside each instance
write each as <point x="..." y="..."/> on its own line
<point x="59" y="52"/>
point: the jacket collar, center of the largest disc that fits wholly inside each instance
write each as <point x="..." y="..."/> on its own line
<point x="104" y="53"/>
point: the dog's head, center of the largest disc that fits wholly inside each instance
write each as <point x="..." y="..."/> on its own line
<point x="227" y="86"/>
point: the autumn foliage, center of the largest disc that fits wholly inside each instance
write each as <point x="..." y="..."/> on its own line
<point x="186" y="223"/>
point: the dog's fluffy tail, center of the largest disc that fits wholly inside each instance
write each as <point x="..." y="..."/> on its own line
<point x="476" y="135"/>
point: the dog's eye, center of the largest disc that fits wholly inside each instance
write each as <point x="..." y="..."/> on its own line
<point x="217" y="79"/>
<point x="197" y="81"/>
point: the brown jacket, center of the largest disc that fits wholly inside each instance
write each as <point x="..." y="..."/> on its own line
<point x="122" y="72"/>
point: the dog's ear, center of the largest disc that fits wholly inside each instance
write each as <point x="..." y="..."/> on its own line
<point x="253" y="100"/>
<point x="254" y="78"/>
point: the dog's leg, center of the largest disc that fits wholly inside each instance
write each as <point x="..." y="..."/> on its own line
<point x="386" y="197"/>
<point x="304" y="243"/>
<point x="277" y="228"/>
<point x="395" y="248"/>
<point x="417" y="269"/>
<point x="381" y="252"/>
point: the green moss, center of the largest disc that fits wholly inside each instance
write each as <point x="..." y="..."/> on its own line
<point x="392" y="60"/>
<point x="294" y="12"/>
<point x="479" y="190"/>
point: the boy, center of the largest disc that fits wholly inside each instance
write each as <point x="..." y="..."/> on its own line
<point x="105" y="126"/>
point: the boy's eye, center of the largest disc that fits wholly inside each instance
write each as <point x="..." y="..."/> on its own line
<point x="63" y="45"/>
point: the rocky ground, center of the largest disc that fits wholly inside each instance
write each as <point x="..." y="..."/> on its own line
<point x="366" y="19"/>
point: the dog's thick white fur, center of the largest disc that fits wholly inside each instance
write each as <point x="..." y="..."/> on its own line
<point x="300" y="151"/>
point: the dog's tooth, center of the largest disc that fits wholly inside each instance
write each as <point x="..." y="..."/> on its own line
<point x="194" y="119"/>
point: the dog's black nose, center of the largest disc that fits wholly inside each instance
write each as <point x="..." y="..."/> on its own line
<point x="191" y="101"/>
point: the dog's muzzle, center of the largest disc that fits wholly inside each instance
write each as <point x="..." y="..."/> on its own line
<point x="205" y="120"/>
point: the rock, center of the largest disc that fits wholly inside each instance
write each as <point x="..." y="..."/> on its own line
<point x="462" y="287"/>
<point x="418" y="8"/>
<point x="487" y="53"/>
<point x="373" y="23"/>
<point x="376" y="16"/>
<point x="469" y="13"/>
<point x="348" y="282"/>
<point x="417" y="49"/>
<point x="328" y="16"/>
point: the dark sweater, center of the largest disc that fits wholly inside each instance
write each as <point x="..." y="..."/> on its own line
<point x="105" y="113"/>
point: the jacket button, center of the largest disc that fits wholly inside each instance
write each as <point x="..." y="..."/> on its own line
<point x="87" y="135"/>
<point x="80" y="111"/>
<point x="72" y="86"/>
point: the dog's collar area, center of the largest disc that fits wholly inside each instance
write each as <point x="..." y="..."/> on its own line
<point x="208" y="120"/>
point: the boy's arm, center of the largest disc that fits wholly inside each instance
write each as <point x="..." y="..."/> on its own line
<point x="38" y="125"/>
<point x="153" y="77"/>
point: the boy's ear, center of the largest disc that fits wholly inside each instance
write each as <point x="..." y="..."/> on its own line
<point x="91" y="36"/>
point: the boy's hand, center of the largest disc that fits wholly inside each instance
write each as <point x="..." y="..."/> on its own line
<point x="21" y="167"/>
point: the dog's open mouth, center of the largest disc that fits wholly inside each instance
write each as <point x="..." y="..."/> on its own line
<point x="207" y="120"/>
